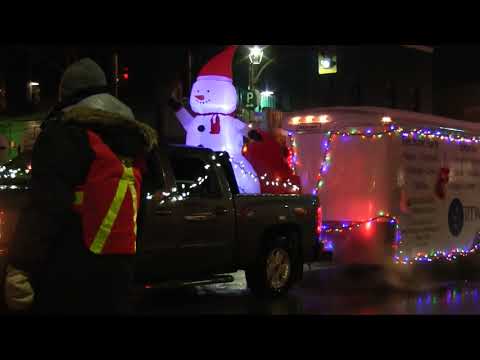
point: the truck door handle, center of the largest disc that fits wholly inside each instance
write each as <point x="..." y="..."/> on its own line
<point x="163" y="212"/>
<point x="200" y="217"/>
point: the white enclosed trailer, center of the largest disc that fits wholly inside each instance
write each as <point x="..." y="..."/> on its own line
<point x="394" y="186"/>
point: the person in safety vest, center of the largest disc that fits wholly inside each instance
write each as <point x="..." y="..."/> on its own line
<point x="75" y="242"/>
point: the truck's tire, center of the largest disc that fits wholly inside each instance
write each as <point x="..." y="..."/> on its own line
<point x="274" y="272"/>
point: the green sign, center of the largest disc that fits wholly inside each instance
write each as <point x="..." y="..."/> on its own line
<point x="249" y="99"/>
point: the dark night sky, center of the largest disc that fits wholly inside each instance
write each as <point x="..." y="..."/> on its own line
<point x="456" y="63"/>
<point x="154" y="68"/>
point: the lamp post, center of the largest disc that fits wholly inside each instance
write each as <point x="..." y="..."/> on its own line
<point x="255" y="56"/>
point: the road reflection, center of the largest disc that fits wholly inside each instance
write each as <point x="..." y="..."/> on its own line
<point x="319" y="294"/>
<point x="455" y="299"/>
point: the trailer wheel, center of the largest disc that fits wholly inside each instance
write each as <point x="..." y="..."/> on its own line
<point x="274" y="272"/>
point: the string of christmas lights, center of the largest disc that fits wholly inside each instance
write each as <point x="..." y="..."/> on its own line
<point x="421" y="257"/>
<point x="265" y="178"/>
<point x="173" y="195"/>
<point x="353" y="225"/>
<point x="183" y="193"/>
<point x="292" y="153"/>
<point x="14" y="175"/>
<point x="442" y="134"/>
<point x="349" y="226"/>
<point x="437" y="255"/>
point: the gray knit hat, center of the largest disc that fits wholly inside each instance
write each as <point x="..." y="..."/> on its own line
<point x="82" y="75"/>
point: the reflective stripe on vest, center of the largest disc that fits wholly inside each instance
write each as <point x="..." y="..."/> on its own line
<point x="127" y="182"/>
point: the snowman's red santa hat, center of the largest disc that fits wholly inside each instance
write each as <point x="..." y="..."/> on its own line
<point x="219" y="67"/>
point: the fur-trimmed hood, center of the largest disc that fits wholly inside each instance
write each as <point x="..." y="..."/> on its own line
<point x="87" y="117"/>
<point x="105" y="111"/>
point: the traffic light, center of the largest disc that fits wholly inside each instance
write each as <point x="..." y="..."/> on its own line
<point x="123" y="83"/>
<point x="125" y="75"/>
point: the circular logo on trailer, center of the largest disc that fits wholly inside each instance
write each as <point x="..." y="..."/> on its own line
<point x="455" y="217"/>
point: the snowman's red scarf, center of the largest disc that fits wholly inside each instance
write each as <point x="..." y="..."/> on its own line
<point x="215" y="121"/>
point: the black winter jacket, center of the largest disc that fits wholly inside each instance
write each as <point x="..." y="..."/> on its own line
<point x="48" y="238"/>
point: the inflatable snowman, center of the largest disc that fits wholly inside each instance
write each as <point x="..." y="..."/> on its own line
<point x="214" y="99"/>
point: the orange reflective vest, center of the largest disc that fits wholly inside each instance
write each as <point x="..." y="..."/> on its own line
<point x="108" y="202"/>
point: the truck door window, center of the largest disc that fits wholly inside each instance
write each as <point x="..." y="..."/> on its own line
<point x="226" y="167"/>
<point x="154" y="179"/>
<point x="189" y="171"/>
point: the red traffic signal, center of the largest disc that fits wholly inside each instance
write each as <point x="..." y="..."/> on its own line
<point x="125" y="73"/>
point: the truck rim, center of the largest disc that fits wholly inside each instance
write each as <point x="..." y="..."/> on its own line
<point x="278" y="268"/>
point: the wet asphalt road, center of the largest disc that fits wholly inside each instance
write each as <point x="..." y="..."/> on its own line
<point x="324" y="290"/>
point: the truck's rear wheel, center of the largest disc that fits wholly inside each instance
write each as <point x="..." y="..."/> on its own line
<point x="273" y="274"/>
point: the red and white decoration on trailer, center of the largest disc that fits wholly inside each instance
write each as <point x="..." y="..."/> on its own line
<point x="394" y="186"/>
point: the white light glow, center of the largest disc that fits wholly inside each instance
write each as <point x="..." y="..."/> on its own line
<point x="296" y="120"/>
<point x="453" y="129"/>
<point x="386" y="119"/>
<point x="326" y="63"/>
<point x="267" y="93"/>
<point x="323" y="119"/>
<point x="256" y="55"/>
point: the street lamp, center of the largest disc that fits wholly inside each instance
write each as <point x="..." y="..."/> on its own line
<point x="256" y="55"/>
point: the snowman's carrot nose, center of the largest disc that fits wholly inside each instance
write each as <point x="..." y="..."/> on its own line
<point x="200" y="97"/>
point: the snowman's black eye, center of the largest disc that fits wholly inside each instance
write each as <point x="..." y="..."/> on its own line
<point x="208" y="91"/>
<point x="201" y="128"/>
